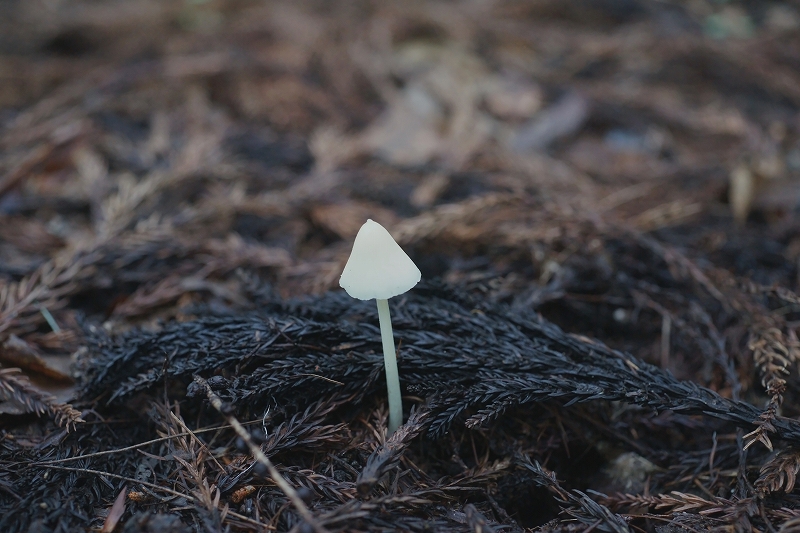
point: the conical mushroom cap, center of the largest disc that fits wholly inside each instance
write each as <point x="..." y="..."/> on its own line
<point x="377" y="267"/>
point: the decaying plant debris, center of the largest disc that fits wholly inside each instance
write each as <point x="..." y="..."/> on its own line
<point x="600" y="196"/>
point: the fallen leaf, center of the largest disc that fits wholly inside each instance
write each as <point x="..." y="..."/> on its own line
<point x="17" y="352"/>
<point x="116" y="512"/>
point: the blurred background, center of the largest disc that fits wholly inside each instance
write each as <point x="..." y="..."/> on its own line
<point x="155" y="153"/>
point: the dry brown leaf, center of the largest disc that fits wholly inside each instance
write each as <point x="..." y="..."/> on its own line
<point x="17" y="352"/>
<point x="115" y="513"/>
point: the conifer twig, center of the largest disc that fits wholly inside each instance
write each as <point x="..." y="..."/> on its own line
<point x="17" y="388"/>
<point x="276" y="476"/>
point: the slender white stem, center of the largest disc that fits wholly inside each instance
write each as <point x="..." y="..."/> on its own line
<point x="390" y="361"/>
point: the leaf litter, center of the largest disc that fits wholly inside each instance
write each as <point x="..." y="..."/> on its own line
<point x="601" y="199"/>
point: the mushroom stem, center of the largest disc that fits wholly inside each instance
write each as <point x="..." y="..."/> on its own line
<point x="390" y="361"/>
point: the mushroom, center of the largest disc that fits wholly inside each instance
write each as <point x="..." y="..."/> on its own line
<point x="378" y="268"/>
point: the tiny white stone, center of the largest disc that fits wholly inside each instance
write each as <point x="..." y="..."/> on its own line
<point x="377" y="268"/>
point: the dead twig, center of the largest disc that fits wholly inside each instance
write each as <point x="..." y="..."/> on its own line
<point x="276" y="476"/>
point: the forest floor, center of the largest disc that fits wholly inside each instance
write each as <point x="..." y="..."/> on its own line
<point x="601" y="197"/>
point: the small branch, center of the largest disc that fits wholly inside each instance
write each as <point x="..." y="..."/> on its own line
<point x="136" y="446"/>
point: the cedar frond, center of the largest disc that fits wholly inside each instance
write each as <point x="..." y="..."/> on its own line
<point x="774" y="354"/>
<point x="305" y="430"/>
<point x="674" y="502"/>
<point x="388" y="454"/>
<point x="575" y="503"/>
<point x="17" y="388"/>
<point x="780" y="472"/>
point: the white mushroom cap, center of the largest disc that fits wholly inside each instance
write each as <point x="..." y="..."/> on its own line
<point x="377" y="267"/>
